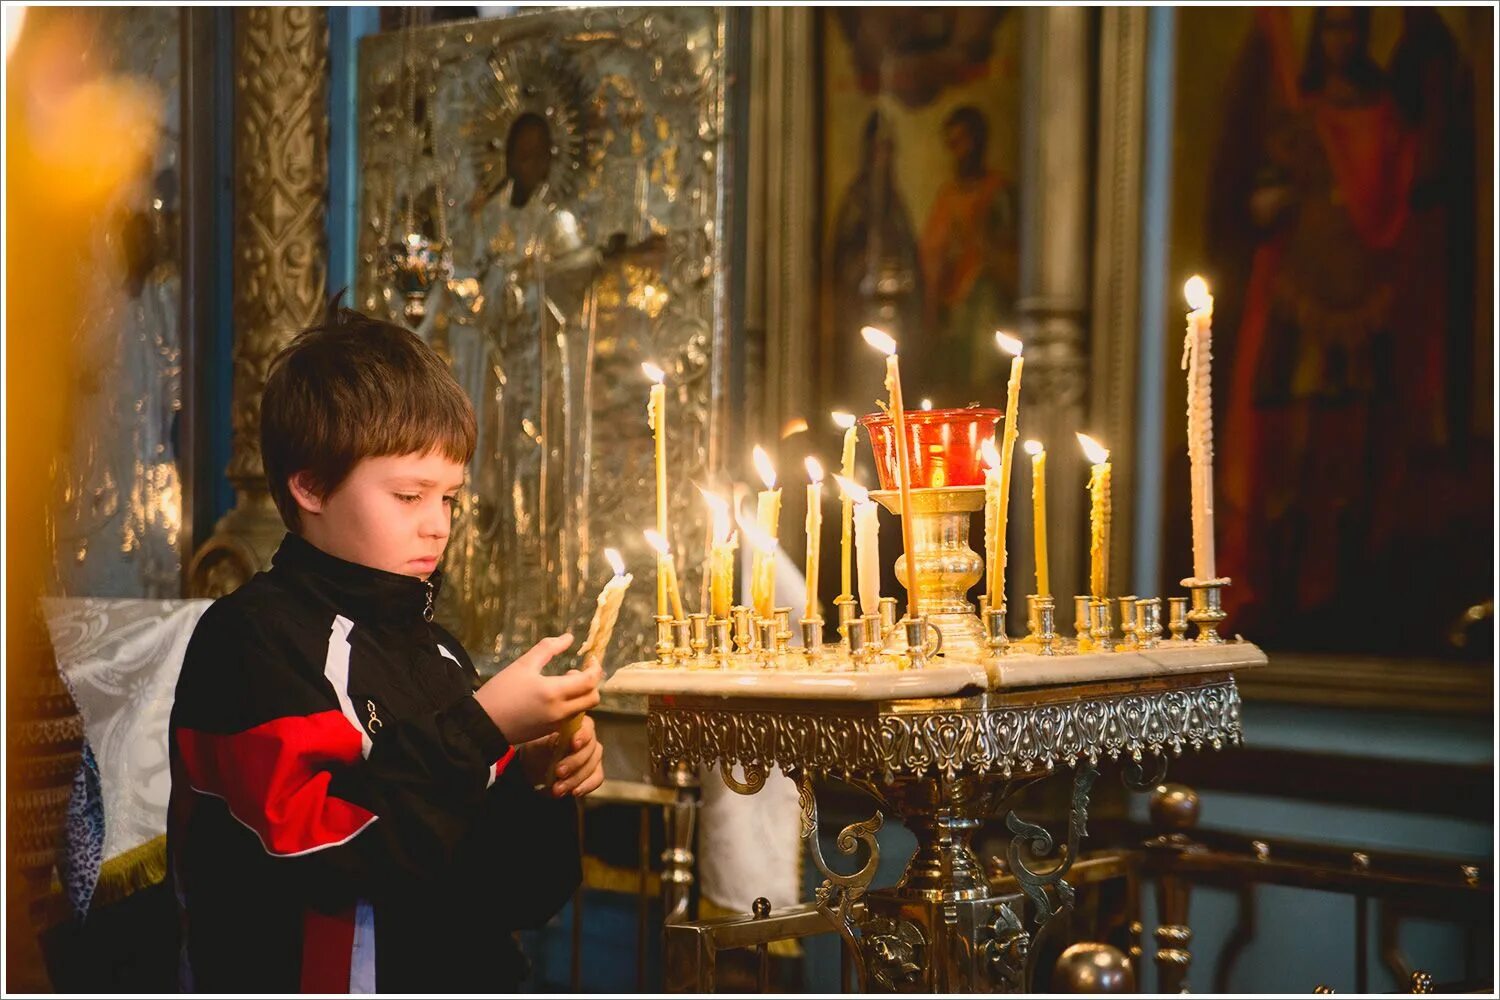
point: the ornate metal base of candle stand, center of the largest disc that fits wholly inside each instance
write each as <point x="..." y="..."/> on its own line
<point x="946" y="567"/>
<point x="945" y="765"/>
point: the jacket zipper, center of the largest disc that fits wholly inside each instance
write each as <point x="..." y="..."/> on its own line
<point x="427" y="611"/>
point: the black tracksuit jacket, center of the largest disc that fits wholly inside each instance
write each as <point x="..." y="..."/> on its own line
<point x="343" y="814"/>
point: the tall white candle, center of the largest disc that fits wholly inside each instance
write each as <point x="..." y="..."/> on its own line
<point x="1197" y="360"/>
<point x="1011" y="346"/>
<point x="656" y="417"/>
<point x="882" y="341"/>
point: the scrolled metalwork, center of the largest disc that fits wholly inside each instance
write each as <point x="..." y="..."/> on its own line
<point x="755" y="777"/>
<point x="977" y="740"/>
<point x="837" y="897"/>
<point x="1035" y="883"/>
<point x="1134" y="775"/>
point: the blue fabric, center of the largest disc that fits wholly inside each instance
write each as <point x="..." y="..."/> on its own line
<point x="83" y="845"/>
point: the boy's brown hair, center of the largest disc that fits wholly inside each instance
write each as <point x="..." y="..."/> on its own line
<point x="351" y="388"/>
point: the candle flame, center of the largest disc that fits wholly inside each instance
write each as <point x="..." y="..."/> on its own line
<point x="656" y="541"/>
<point x="843" y="420"/>
<point x="759" y="539"/>
<point x="796" y="425"/>
<point x="926" y="404"/>
<point x="1196" y="292"/>
<point x="612" y="556"/>
<point x="879" y="339"/>
<point x="989" y="453"/>
<point x="1008" y="344"/>
<point x="720" y="509"/>
<point x="1033" y="446"/>
<point x="814" y="469"/>
<point x="654" y="373"/>
<point x="764" y="467"/>
<point x="1097" y="453"/>
<point x="852" y="490"/>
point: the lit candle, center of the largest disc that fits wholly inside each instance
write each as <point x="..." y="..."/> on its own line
<point x="1099" y="515"/>
<point x="607" y="608"/>
<point x="994" y="540"/>
<point x="1039" y="514"/>
<point x="601" y="628"/>
<point x="881" y="341"/>
<point x="851" y="436"/>
<point x="1011" y="346"/>
<point x="664" y="559"/>
<point x="926" y="404"/>
<point x="1197" y="359"/>
<point x="656" y="417"/>
<point x="768" y="519"/>
<point x="867" y="537"/>
<point x="814" y="533"/>
<point x="762" y="548"/>
<point x="720" y="556"/>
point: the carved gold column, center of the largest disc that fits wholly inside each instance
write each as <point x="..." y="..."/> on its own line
<point x="280" y="266"/>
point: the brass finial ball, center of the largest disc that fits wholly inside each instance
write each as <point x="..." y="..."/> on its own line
<point x="1093" y="967"/>
<point x="1421" y="982"/>
<point x="761" y="908"/>
<point x="1174" y="807"/>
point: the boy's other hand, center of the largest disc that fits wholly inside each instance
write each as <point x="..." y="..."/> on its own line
<point x="526" y="705"/>
<point x="580" y="767"/>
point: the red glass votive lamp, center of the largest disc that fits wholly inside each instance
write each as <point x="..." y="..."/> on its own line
<point x="944" y="446"/>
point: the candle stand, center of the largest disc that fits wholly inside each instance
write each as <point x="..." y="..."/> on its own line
<point x="946" y="749"/>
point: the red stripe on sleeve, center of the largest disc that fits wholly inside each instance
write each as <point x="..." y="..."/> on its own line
<point x="327" y="950"/>
<point x="275" y="776"/>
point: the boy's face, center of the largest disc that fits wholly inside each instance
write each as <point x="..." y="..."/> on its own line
<point x="391" y="513"/>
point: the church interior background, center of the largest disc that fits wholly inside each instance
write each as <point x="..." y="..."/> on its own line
<point x="552" y="197"/>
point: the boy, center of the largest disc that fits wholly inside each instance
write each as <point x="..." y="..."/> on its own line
<point x="348" y="813"/>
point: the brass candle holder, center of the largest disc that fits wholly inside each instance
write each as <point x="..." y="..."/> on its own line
<point x="1101" y="625"/>
<point x="1148" y="622"/>
<point x="812" y="639"/>
<point x="720" y="641"/>
<point x="744" y="635"/>
<point x="919" y="631"/>
<point x="698" y="626"/>
<point x="1041" y="610"/>
<point x="1129" y="639"/>
<point x="765" y="633"/>
<point x="859" y="642"/>
<point x="1177" y="622"/>
<point x="1207" y="611"/>
<point x="1083" y="621"/>
<point x="782" y="618"/>
<point x="946" y="569"/>
<point x="664" y="640"/>
<point x="848" y="611"/>
<point x="682" y="643"/>
<point x="995" y="638"/>
<point x="887" y="619"/>
<point x="874" y="635"/>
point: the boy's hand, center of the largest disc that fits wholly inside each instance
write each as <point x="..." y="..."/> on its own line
<point x="526" y="705"/>
<point x="581" y="769"/>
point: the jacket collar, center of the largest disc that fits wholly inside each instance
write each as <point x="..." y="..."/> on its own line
<point x="370" y="596"/>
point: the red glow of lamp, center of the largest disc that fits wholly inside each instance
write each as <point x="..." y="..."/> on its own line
<point x="944" y="446"/>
